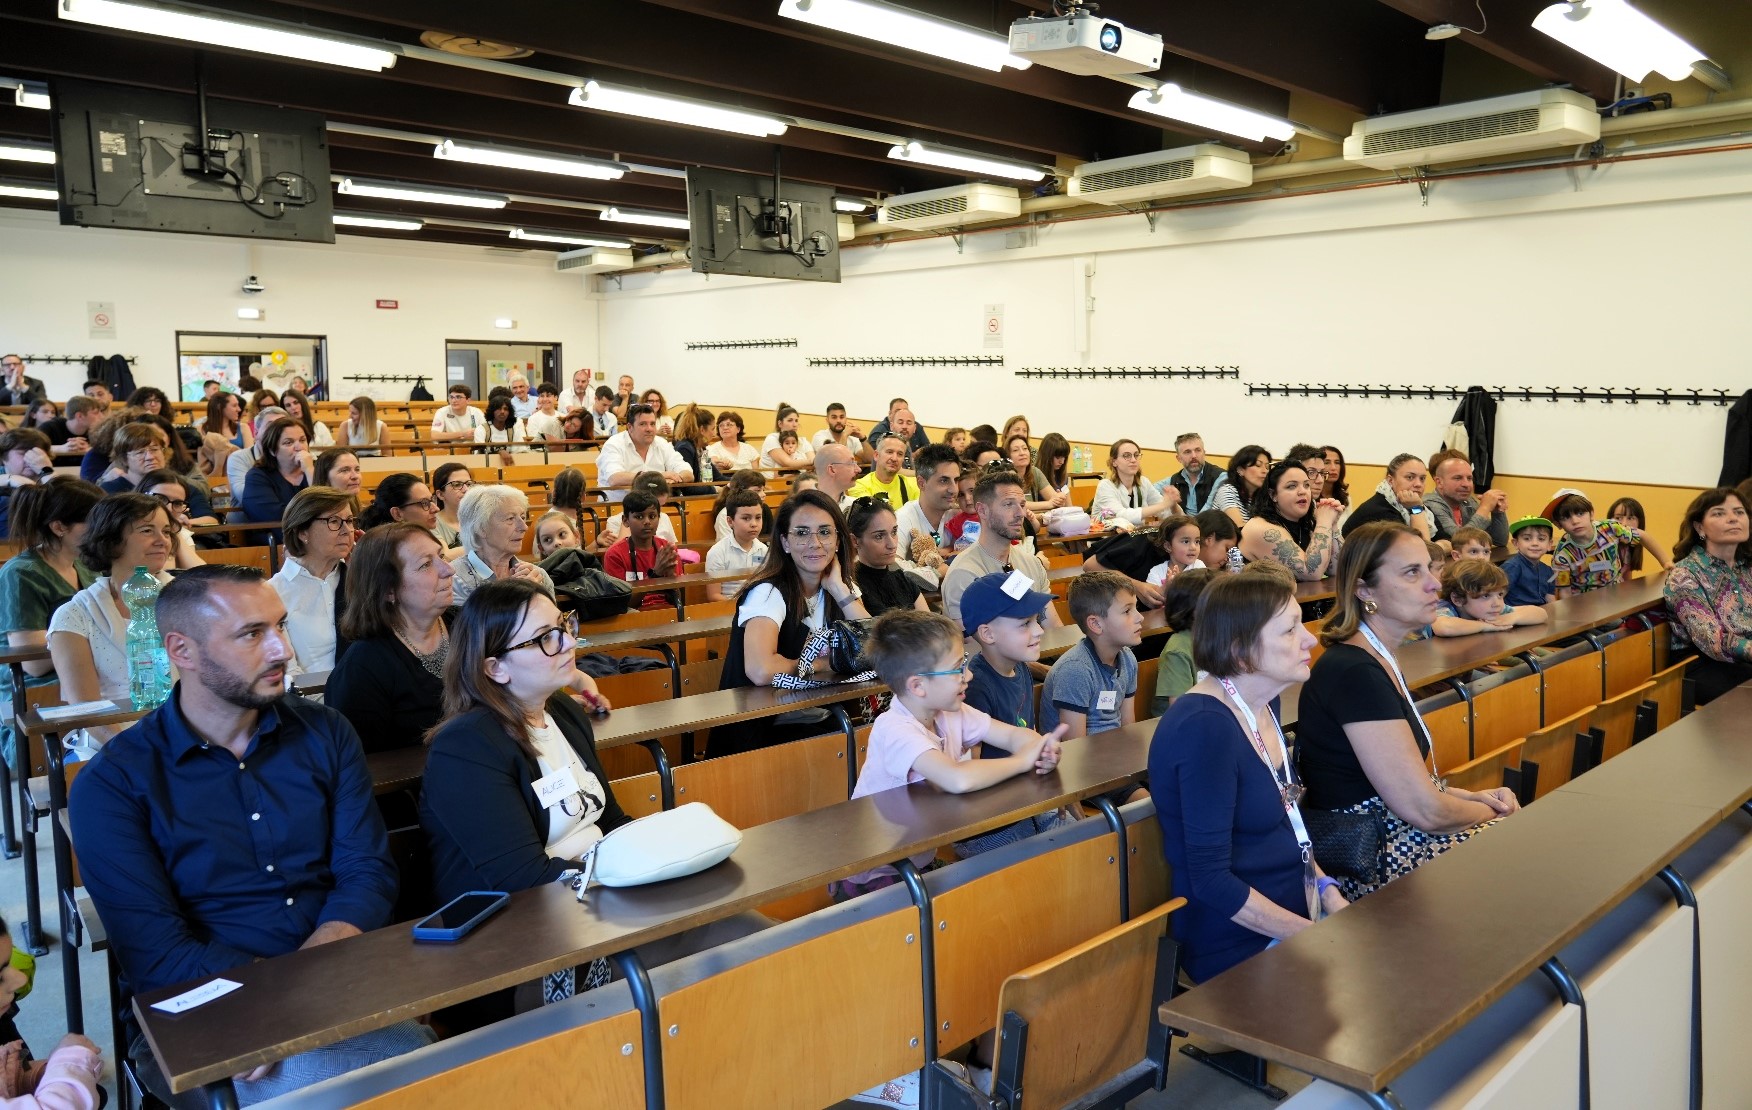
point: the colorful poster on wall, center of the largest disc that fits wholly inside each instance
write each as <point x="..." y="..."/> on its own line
<point x="195" y="370"/>
<point x="499" y="372"/>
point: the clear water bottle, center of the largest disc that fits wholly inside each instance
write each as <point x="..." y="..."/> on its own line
<point x="148" y="665"/>
<point x="969" y="535"/>
<point x="1235" y="560"/>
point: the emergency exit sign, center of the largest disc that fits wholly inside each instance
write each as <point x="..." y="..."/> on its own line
<point x="388" y="304"/>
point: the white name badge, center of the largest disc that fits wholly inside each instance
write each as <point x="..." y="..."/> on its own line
<point x="1108" y="701"/>
<point x="551" y="790"/>
<point x="1600" y="567"/>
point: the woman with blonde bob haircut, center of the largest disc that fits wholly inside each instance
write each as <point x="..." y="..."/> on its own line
<point x="1366" y="757"/>
<point x="492" y="521"/>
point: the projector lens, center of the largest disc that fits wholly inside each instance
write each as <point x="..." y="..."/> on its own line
<point x="1110" y="34"/>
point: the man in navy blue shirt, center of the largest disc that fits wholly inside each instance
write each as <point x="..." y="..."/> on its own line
<point x="234" y="823"/>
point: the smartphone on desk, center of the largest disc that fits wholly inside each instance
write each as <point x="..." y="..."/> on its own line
<point x="460" y="917"/>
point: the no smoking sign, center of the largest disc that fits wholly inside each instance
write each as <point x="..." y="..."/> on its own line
<point x="992" y="325"/>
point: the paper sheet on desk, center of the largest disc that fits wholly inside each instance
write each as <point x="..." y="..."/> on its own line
<point x="201" y="995"/>
<point x="77" y="709"/>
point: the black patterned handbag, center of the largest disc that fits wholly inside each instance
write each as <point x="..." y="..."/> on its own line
<point x="1348" y="845"/>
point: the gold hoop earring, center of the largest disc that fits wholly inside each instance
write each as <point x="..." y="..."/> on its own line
<point x="1369" y="606"/>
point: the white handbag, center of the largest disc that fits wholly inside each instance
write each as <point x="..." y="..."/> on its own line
<point x="667" y="845"/>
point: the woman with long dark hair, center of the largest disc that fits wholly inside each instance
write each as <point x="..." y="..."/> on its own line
<point x="1247" y="469"/>
<point x="1290" y="527"/>
<point x="809" y="581"/>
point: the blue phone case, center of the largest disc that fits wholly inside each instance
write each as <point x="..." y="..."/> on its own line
<point x="437" y="934"/>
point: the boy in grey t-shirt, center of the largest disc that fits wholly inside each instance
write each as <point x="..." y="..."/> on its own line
<point x="1091" y="688"/>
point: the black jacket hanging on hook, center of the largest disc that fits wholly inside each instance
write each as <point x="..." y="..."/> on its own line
<point x="1473" y="430"/>
<point x="1737" y="444"/>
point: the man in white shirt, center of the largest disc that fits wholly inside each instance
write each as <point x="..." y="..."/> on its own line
<point x="602" y="418"/>
<point x="635" y="451"/>
<point x="460" y="420"/>
<point x="919" y="524"/>
<point x="840" y="431"/>
<point x="581" y="394"/>
<point x="521" y="402"/>
<point x="544" y="422"/>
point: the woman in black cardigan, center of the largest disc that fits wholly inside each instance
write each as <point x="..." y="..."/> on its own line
<point x="398" y="598"/>
<point x="511" y="739"/>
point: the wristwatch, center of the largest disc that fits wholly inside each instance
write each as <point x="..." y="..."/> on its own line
<point x="1415" y="509"/>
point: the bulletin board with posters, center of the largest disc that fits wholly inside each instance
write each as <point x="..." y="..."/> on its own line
<point x="196" y="370"/>
<point x="499" y="372"/>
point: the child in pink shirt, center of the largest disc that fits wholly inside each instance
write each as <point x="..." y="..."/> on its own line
<point x="66" y="1081"/>
<point x="930" y="734"/>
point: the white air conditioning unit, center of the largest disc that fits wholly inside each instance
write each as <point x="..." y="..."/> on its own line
<point x="963" y="204"/>
<point x="1205" y="168"/>
<point x="594" y="260"/>
<point x="1549" y="118"/>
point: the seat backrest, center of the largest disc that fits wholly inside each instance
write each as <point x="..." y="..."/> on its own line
<point x="1668" y="695"/>
<point x="1150" y="879"/>
<point x="1088" y="1010"/>
<point x="637" y="687"/>
<point x="807" y="1013"/>
<point x="257" y="557"/>
<point x="585" y="1051"/>
<point x="1012" y="907"/>
<point x="1629" y="662"/>
<point x="1449" y="719"/>
<point x="1553" y="750"/>
<point x="1616" y="719"/>
<point x="1146" y="695"/>
<point x="1573" y="684"/>
<point x="782" y="780"/>
<point x="1504" y="709"/>
<point x="1486" y="772"/>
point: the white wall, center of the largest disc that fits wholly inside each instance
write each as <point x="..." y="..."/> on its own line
<point x="1632" y="276"/>
<point x="165" y="283"/>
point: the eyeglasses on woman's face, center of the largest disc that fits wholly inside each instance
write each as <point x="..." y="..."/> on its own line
<point x="175" y="507"/>
<point x="553" y="641"/>
<point x="460" y="485"/>
<point x="336" y="524"/>
<point x="818" y="537"/>
<point x="424" y="504"/>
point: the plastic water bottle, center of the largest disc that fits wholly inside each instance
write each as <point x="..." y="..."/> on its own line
<point x="148" y="665"/>
<point x="969" y="535"/>
<point x="1235" y="561"/>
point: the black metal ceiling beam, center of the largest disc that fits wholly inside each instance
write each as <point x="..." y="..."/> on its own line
<point x="452" y="104"/>
<point x="669" y="47"/>
<point x="1511" y="37"/>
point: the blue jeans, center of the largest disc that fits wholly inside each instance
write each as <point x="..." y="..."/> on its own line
<point x="295" y="1071"/>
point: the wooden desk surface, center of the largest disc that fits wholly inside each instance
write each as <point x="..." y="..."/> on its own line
<point x="1360" y="999"/>
<point x="719" y="707"/>
<point x="278" y="1011"/>
<point x="11" y="655"/>
<point x="397" y="769"/>
<point x="674" y="632"/>
<point x="1703" y="760"/>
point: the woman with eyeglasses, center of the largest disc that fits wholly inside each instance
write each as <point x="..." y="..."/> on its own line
<point x="885" y="585"/>
<point x="1226" y="791"/>
<point x="449" y="483"/>
<point x="809" y="581"/>
<point x="494" y="520"/>
<point x="401" y="497"/>
<point x="88" y="636"/>
<point x="139" y="449"/>
<point x="1125" y="497"/>
<point x="172" y="491"/>
<point x="390" y="682"/>
<point x="514" y="794"/>
<point x="319" y="537"/>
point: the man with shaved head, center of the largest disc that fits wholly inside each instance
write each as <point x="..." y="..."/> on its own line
<point x="915" y="436"/>
<point x="234" y="822"/>
<point x="835" y="470"/>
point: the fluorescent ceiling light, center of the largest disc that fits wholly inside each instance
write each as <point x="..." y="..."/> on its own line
<point x="967" y="163"/>
<point x="669" y="109"/>
<point x="250" y="314"/>
<point x="381" y="223"/>
<point x="847" y="204"/>
<point x="524" y="160"/>
<point x="27" y="192"/>
<point x="909" y="30"/>
<point x="655" y="219"/>
<point x="28" y="94"/>
<point x="504" y="322"/>
<point x="1618" y="36"/>
<point x="27" y="152"/>
<point x="420" y="195"/>
<point x="568" y="240"/>
<point x="254" y="37"/>
<point x="1176" y="103"/>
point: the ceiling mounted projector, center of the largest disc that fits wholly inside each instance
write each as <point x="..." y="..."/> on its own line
<point x="1083" y="43"/>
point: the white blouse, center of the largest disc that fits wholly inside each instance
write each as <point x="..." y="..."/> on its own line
<point x="573" y="827"/>
<point x="92" y="615"/>
<point x="1127" y="505"/>
<point x="805" y="453"/>
<point x="745" y="458"/>
<point x="310" y="614"/>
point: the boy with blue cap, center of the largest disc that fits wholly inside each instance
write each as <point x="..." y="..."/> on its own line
<point x="1001" y="613"/>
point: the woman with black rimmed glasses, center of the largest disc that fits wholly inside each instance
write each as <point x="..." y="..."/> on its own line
<point x="514" y="795"/>
<point x="808" y="582"/>
<point x="319" y="527"/>
<point x="449" y="483"/>
<point x="168" y="486"/>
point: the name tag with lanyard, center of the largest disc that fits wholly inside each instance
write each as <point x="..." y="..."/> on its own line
<point x="1289" y="792"/>
<point x="1405" y="692"/>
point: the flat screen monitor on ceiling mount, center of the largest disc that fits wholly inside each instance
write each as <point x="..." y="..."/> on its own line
<point x="155" y="161"/>
<point x="736" y="226"/>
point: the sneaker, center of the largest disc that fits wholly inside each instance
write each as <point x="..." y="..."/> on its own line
<point x="902" y="1091"/>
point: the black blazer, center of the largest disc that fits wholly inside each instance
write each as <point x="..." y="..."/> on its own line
<point x="484" y="826"/>
<point x="380" y="687"/>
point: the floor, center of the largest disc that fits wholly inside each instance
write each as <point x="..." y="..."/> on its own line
<point x="42" y="1017"/>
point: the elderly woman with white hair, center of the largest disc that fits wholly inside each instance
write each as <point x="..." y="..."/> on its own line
<point x="492" y="521"/>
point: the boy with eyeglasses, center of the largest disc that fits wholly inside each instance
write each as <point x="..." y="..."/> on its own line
<point x="929" y="733"/>
<point x="642" y="553"/>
